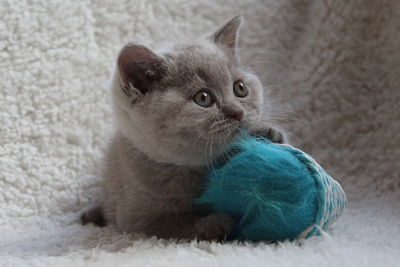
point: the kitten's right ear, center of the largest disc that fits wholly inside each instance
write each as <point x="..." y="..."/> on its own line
<point x="227" y="35"/>
<point x="139" y="68"/>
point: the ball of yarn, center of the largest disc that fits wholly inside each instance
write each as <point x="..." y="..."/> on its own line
<point x="275" y="192"/>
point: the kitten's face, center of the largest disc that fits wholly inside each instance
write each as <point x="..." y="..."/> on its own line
<point x="185" y="103"/>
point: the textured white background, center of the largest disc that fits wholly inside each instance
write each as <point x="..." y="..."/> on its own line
<point x="332" y="67"/>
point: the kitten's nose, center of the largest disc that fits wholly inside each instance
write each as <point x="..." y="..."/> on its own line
<point x="233" y="113"/>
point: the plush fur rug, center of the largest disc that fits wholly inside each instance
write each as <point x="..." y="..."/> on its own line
<point x="332" y="66"/>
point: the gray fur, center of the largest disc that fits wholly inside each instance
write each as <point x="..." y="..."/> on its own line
<point x="157" y="162"/>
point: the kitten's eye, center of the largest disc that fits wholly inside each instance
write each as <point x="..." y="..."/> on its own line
<point x="240" y="89"/>
<point x="204" y="99"/>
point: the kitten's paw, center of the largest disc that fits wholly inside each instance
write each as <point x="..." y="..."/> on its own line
<point x="272" y="134"/>
<point x="215" y="227"/>
<point x="95" y="216"/>
<point x="276" y="136"/>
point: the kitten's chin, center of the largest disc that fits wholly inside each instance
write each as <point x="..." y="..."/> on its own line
<point x="188" y="159"/>
<point x="181" y="155"/>
<point x="189" y="162"/>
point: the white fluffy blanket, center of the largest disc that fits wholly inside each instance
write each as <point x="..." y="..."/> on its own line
<point x="333" y="66"/>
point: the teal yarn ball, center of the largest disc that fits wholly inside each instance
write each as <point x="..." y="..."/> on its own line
<point x="275" y="192"/>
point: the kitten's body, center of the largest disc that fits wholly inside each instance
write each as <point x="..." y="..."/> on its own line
<point x="154" y="198"/>
<point x="175" y="111"/>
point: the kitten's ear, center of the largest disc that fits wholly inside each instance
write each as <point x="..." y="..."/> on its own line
<point x="139" y="68"/>
<point x="227" y="35"/>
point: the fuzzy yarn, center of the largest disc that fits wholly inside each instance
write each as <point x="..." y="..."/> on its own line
<point x="275" y="192"/>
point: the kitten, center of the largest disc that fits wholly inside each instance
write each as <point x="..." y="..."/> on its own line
<point x="175" y="110"/>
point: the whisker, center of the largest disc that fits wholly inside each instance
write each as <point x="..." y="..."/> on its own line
<point x="205" y="154"/>
<point x="226" y="155"/>
<point x="198" y="138"/>
<point x="211" y="149"/>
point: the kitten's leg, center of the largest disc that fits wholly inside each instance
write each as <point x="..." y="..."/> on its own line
<point x="95" y="216"/>
<point x="214" y="227"/>
<point x="272" y="134"/>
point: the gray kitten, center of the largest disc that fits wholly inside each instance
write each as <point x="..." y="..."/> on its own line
<point x="175" y="109"/>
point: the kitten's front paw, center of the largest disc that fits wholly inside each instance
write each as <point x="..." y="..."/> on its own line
<point x="272" y="134"/>
<point x="215" y="227"/>
<point x="95" y="216"/>
<point x="276" y="136"/>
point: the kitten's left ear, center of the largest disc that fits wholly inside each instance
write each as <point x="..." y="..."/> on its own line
<point x="226" y="36"/>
